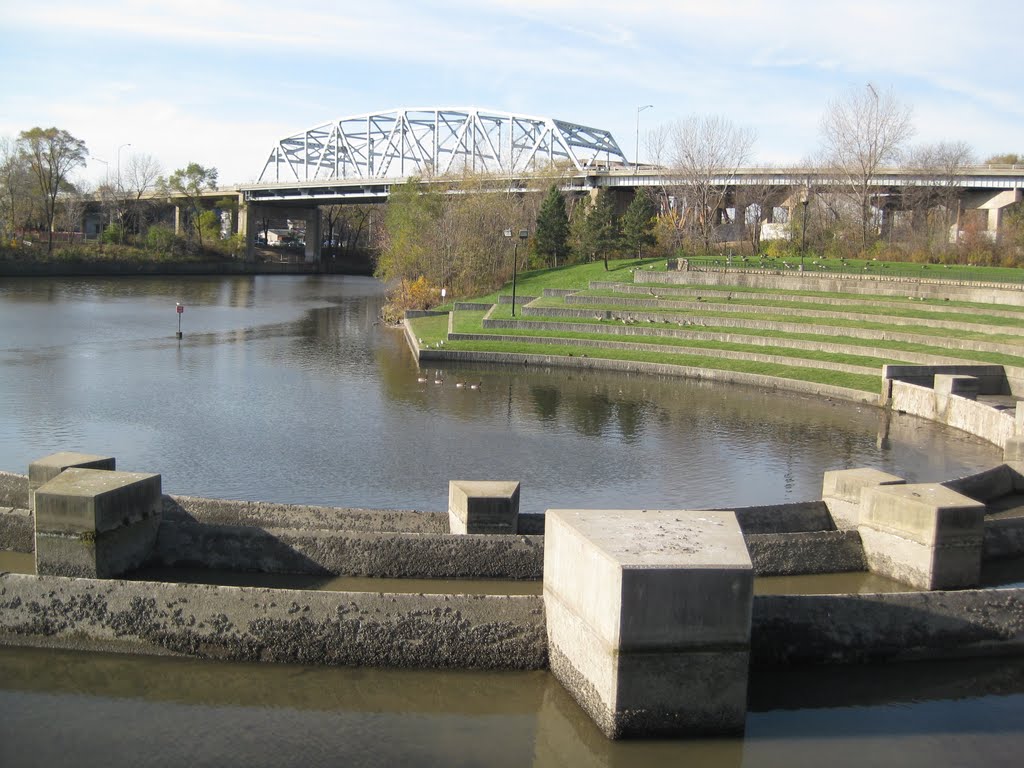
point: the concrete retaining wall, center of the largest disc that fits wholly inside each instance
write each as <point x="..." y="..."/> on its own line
<point x="769" y="341"/>
<point x="725" y="354"/>
<point x="967" y="415"/>
<point x="790" y="554"/>
<point x="275" y="625"/>
<point x="17" y="530"/>
<point x="769" y="383"/>
<point x="991" y="378"/>
<point x="689" y="321"/>
<point x="629" y="304"/>
<point x="790" y="629"/>
<point x="868" y="300"/>
<point x="349" y="553"/>
<point x="13" y="490"/>
<point x="983" y="293"/>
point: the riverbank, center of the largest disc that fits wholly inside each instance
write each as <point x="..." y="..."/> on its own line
<point x="769" y="327"/>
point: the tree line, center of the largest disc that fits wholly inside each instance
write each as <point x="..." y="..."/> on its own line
<point x="39" y="194"/>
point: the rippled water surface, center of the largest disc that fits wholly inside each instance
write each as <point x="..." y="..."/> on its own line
<point x="287" y="389"/>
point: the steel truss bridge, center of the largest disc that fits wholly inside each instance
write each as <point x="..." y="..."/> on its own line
<point x="428" y="142"/>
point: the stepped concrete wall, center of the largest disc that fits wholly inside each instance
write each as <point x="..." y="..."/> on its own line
<point x="983" y="293"/>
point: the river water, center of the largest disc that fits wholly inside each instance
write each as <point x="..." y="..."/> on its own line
<point x="286" y="389"/>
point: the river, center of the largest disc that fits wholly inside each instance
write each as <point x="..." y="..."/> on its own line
<point x="287" y="389"/>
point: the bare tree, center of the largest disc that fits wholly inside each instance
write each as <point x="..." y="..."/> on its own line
<point x="705" y="153"/>
<point x="934" y="200"/>
<point x="862" y="132"/>
<point x="139" y="178"/>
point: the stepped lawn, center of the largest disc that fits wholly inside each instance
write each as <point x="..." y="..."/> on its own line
<point x="811" y="365"/>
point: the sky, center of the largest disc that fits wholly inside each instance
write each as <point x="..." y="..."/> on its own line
<point x="219" y="82"/>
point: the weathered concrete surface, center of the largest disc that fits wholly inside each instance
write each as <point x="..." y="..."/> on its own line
<point x="790" y="554"/>
<point x="13" y="490"/>
<point x="270" y="515"/>
<point x="923" y="534"/>
<point x="841" y="491"/>
<point x="990" y="484"/>
<point x="793" y="629"/>
<point x="648" y="617"/>
<point x="274" y="625"/>
<point x="45" y="469"/>
<point x="96" y="523"/>
<point x="797" y="517"/>
<point x="875" y="285"/>
<point x="483" y="506"/>
<point x="17" y="530"/>
<point x="349" y="553"/>
<point x="975" y="418"/>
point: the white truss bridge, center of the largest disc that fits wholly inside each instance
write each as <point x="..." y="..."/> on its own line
<point x="429" y="141"/>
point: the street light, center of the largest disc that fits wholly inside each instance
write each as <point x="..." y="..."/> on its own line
<point x="636" y="152"/>
<point x="805" y="198"/>
<point x="120" y="209"/>
<point x="523" y="235"/>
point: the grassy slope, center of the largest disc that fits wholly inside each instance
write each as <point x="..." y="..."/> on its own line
<point x="434" y="330"/>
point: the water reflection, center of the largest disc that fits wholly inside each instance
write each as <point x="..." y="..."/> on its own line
<point x="110" y="710"/>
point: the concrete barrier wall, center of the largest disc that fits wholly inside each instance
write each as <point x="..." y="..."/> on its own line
<point x="271" y="515"/>
<point x="991" y="378"/>
<point x="769" y="383"/>
<point x="722" y="321"/>
<point x="666" y="349"/>
<point x="790" y="554"/>
<point x="983" y="293"/>
<point x="17" y="530"/>
<point x="275" y="625"/>
<point x="894" y="302"/>
<point x="967" y="415"/>
<point x="13" y="490"/>
<point x="680" y="333"/>
<point x="349" y="553"/>
<point x="625" y="305"/>
<point x="789" y="629"/>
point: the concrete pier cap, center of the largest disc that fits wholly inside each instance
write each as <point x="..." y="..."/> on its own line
<point x="648" y="618"/>
<point x="923" y="534"/>
<point x="45" y="469"/>
<point x="96" y="523"/>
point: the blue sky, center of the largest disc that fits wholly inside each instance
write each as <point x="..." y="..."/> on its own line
<point x="220" y="81"/>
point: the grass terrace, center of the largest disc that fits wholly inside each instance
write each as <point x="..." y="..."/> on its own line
<point x="831" y="338"/>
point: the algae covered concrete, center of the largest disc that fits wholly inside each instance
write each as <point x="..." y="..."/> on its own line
<point x="274" y="625"/>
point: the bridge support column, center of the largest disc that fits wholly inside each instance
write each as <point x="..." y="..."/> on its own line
<point x="247" y="227"/>
<point x="313" y="239"/>
<point x="177" y="219"/>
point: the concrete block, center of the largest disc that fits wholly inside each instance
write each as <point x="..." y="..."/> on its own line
<point x="45" y="469"/>
<point x="841" y="492"/>
<point x="1013" y="449"/>
<point x="96" y="524"/>
<point x="946" y="384"/>
<point x="923" y="534"/>
<point x="483" y="506"/>
<point x="648" y="616"/>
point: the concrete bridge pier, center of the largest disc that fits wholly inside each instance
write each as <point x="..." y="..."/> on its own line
<point x="648" y="618"/>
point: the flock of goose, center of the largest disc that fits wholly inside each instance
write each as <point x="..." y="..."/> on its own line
<point x="438" y="380"/>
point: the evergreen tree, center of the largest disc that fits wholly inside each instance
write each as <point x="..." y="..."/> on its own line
<point x="603" y="234"/>
<point x="552" y="234"/>
<point x="638" y="223"/>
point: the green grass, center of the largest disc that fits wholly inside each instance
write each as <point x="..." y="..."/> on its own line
<point x="700" y="353"/>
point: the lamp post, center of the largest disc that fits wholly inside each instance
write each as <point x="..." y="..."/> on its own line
<point x="120" y="210"/>
<point x="523" y="235"/>
<point x="805" y="198"/>
<point x="636" y="151"/>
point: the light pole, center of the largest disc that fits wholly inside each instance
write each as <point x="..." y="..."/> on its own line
<point x="805" y="198"/>
<point x="636" y="152"/>
<point x="523" y="235"/>
<point x="120" y="210"/>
